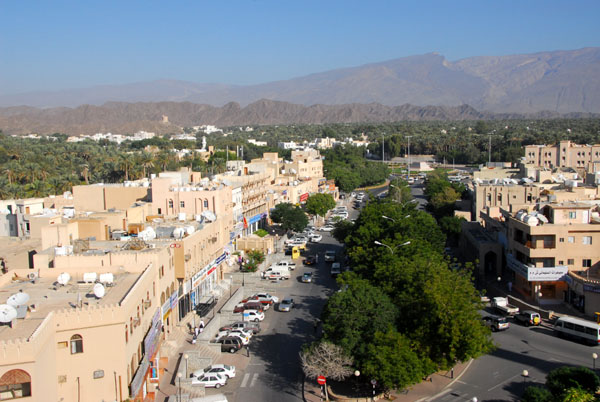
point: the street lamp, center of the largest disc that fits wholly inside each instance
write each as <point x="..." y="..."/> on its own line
<point x="230" y="284"/>
<point x="392" y="249"/>
<point x="179" y="375"/>
<point x="525" y="374"/>
<point x="186" y="357"/>
<point x="373" y="382"/>
<point x="388" y="218"/>
<point x="539" y="304"/>
<point x="594" y="357"/>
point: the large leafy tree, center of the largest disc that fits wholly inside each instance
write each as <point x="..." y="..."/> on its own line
<point x="352" y="316"/>
<point x="291" y="217"/>
<point x="319" y="204"/>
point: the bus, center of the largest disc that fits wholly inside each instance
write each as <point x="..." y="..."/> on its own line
<point x="579" y="329"/>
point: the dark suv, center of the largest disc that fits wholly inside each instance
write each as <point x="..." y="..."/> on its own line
<point x="528" y="317"/>
<point x="496" y="323"/>
<point x="230" y="344"/>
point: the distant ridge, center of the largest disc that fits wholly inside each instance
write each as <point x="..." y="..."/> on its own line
<point x="124" y="118"/>
<point x="558" y="81"/>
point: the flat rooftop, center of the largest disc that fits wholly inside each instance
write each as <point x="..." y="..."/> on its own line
<point x="47" y="296"/>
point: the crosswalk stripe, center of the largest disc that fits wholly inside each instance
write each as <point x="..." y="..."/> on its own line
<point x="245" y="380"/>
<point x="254" y="378"/>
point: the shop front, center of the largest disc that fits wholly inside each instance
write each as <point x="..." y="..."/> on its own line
<point x="146" y="378"/>
<point x="538" y="283"/>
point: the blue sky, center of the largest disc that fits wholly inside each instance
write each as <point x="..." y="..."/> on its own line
<point x="47" y="45"/>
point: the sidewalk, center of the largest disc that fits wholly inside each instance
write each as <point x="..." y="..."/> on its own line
<point x="423" y="391"/>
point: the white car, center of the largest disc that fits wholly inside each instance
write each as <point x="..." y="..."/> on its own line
<point x="212" y="380"/>
<point x="222" y="369"/>
<point x="316" y="238"/>
<point x="327" y="228"/>
<point x="242" y="332"/>
<point x="266" y="298"/>
<point x="253" y="315"/>
<point x="288" y="264"/>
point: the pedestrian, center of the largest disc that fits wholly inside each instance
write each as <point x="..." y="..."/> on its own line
<point x="201" y="324"/>
<point x="316" y="325"/>
<point x="248" y="350"/>
<point x="194" y="339"/>
<point x="196" y="331"/>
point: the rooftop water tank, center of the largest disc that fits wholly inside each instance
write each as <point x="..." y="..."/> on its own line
<point x="531" y="220"/>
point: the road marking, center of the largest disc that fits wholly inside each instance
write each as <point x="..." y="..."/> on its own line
<point x="245" y="380"/>
<point x="505" y="381"/>
<point x="254" y="378"/>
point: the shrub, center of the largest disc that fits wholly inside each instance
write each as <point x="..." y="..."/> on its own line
<point x="261" y="233"/>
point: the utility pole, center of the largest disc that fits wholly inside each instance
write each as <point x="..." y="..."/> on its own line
<point x="408" y="163"/>
<point x="383" y="148"/>
<point x="490" y="151"/>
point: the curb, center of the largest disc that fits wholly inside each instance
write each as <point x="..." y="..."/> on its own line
<point x="428" y="398"/>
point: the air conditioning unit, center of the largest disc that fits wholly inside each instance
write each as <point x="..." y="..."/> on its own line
<point x="136" y="322"/>
<point x="147" y="303"/>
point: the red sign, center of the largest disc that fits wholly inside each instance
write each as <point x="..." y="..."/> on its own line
<point x="304" y="197"/>
<point x="321" y="380"/>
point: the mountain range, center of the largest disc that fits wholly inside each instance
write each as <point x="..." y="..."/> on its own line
<point x="558" y="81"/>
<point x="546" y="84"/>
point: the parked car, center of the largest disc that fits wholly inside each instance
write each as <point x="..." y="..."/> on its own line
<point x="307" y="277"/>
<point x="290" y="265"/>
<point x="212" y="380"/>
<point x="496" y="323"/>
<point x="254" y="315"/>
<point x="327" y="228"/>
<point x="223" y="370"/>
<point x="250" y="305"/>
<point x="230" y="344"/>
<point x="286" y="305"/>
<point x="243" y="332"/>
<point x="300" y="244"/>
<point x="310" y="260"/>
<point x="330" y="256"/>
<point x="248" y="326"/>
<point x="266" y="298"/>
<point x="528" y="317"/>
<point x="315" y="238"/>
<point x="225" y="334"/>
<point x="336" y="269"/>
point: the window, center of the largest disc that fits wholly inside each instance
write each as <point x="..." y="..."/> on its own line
<point x="561" y="262"/>
<point x="561" y="239"/>
<point x="587" y="240"/>
<point x="571" y="239"/>
<point x="572" y="214"/>
<point x="182" y="204"/>
<point x="586" y="262"/>
<point x="15" y="384"/>
<point x="159" y="211"/>
<point x="170" y="203"/>
<point x="76" y="344"/>
<point x="570" y="261"/>
<point x="205" y="203"/>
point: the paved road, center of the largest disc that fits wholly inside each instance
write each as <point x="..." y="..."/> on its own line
<point x="498" y="376"/>
<point x="274" y="372"/>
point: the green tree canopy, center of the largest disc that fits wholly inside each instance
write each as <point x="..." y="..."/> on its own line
<point x="559" y="380"/>
<point x="291" y="217"/>
<point x="319" y="204"/>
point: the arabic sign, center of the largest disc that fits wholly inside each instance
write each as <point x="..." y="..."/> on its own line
<point x="153" y="336"/>
<point x="304" y="197"/>
<point x="543" y="274"/>
<point x="138" y="378"/>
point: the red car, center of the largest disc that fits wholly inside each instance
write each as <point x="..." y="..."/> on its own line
<point x="250" y="305"/>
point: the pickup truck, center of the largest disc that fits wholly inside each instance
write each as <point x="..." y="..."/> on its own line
<point x="501" y="304"/>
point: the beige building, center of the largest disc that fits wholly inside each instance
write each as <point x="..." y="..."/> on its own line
<point x="102" y="197"/>
<point x="544" y="245"/>
<point x="505" y="196"/>
<point x="564" y="154"/>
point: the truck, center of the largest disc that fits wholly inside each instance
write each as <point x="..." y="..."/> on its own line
<point x="502" y="305"/>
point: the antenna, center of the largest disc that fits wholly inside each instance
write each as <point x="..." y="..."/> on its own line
<point x="99" y="290"/>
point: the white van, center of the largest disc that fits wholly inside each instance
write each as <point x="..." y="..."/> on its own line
<point x="276" y="272"/>
<point x="587" y="331"/>
<point x="253" y="315"/>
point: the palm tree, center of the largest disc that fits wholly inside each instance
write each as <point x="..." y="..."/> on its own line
<point x="126" y="161"/>
<point x="146" y="159"/>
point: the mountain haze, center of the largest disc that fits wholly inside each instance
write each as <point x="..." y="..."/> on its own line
<point x="559" y="81"/>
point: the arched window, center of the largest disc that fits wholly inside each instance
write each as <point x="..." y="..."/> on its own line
<point x="15" y="384"/>
<point x="205" y="203"/>
<point x="76" y="344"/>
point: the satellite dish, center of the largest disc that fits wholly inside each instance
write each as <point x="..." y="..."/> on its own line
<point x="18" y="299"/>
<point x="7" y="313"/>
<point x="63" y="278"/>
<point x="209" y="216"/>
<point x="99" y="290"/>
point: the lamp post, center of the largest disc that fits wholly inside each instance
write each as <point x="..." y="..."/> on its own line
<point x="179" y="375"/>
<point x="388" y="218"/>
<point x="186" y="357"/>
<point x="594" y="357"/>
<point x="392" y="249"/>
<point x="408" y="137"/>
<point x="373" y="383"/>
<point x="525" y="374"/>
<point x="539" y="295"/>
